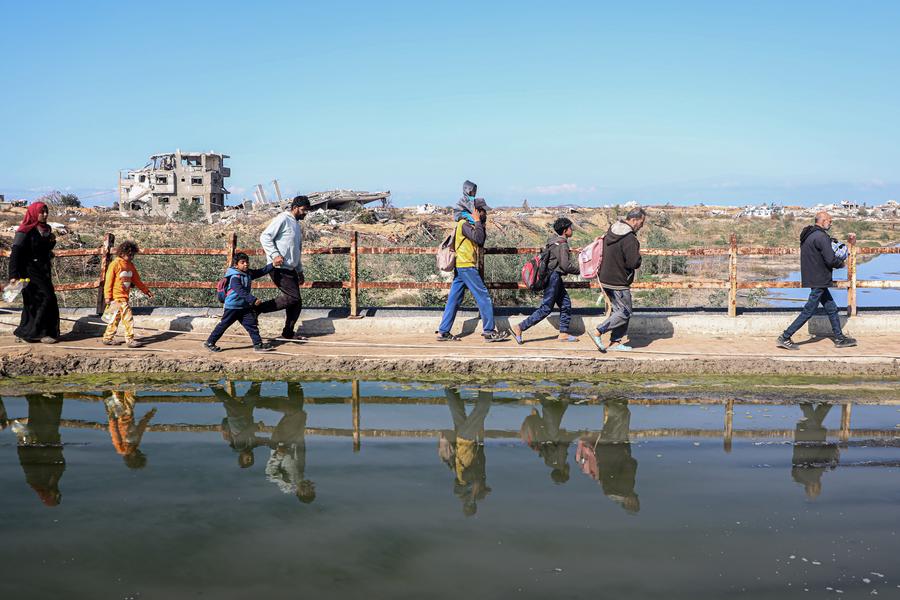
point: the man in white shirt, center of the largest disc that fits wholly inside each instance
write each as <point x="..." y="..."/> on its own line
<point x="282" y="242"/>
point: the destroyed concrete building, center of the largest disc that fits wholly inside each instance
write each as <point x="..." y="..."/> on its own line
<point x="160" y="187"/>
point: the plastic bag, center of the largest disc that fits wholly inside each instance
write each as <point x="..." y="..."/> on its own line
<point x="110" y="313"/>
<point x="13" y="290"/>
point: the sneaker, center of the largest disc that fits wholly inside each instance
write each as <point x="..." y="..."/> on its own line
<point x="135" y="344"/>
<point x="107" y="342"/>
<point x="264" y="347"/>
<point x="786" y="343"/>
<point x="619" y="347"/>
<point x="443" y="336"/>
<point x="516" y="333"/>
<point x="211" y="347"/>
<point x="48" y="340"/>
<point x="844" y="342"/>
<point x="565" y="337"/>
<point x="598" y="342"/>
<point x="293" y="335"/>
<point x="495" y="336"/>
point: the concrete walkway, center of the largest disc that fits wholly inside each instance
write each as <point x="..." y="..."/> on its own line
<point x="413" y="355"/>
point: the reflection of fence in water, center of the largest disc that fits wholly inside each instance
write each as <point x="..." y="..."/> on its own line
<point x="727" y="433"/>
<point x="345" y="289"/>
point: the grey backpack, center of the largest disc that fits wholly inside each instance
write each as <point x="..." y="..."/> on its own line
<point x="446" y="254"/>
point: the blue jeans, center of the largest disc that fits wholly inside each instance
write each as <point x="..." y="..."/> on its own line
<point x="622" y="308"/>
<point x="246" y="316"/>
<point x="555" y="294"/>
<point x="468" y="277"/>
<point x="816" y="296"/>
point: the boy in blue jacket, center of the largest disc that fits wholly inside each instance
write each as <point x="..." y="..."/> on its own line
<point x="240" y="304"/>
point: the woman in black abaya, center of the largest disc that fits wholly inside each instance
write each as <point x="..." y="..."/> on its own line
<point x="30" y="258"/>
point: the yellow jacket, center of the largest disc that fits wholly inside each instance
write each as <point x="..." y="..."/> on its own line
<point x="466" y="249"/>
<point x="120" y="276"/>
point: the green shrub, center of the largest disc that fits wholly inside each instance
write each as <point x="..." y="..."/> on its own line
<point x="188" y="211"/>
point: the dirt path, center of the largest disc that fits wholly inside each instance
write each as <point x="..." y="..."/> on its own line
<point x="416" y="355"/>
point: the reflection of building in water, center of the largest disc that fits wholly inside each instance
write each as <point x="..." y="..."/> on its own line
<point x="125" y="434"/>
<point x="286" y="466"/>
<point x="541" y="431"/>
<point x="812" y="453"/>
<point x="40" y="447"/>
<point x="607" y="458"/>
<point x="463" y="448"/>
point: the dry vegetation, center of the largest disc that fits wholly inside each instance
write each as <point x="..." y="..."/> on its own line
<point x="669" y="227"/>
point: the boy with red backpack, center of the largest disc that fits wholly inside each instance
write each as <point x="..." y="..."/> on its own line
<point x="559" y="264"/>
<point x="234" y="291"/>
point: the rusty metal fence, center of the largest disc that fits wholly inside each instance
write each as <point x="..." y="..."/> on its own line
<point x="731" y="284"/>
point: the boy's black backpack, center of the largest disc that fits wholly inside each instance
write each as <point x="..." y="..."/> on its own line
<point x="535" y="274"/>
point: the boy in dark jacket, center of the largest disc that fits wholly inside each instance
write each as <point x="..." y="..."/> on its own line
<point x="240" y="304"/>
<point x="559" y="264"/>
<point x="817" y="261"/>
<point x="621" y="258"/>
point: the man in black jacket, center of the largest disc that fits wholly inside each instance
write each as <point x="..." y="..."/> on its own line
<point x="817" y="261"/>
<point x="621" y="258"/>
<point x="559" y="264"/>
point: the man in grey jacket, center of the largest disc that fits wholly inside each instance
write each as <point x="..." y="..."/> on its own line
<point x="282" y="241"/>
<point x="621" y="259"/>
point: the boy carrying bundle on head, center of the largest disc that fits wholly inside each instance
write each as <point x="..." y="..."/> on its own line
<point x="121" y="275"/>
<point x="240" y="304"/>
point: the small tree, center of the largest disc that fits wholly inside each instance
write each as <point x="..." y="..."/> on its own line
<point x="188" y="211"/>
<point x="69" y="201"/>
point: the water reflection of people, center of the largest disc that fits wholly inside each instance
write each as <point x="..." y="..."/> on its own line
<point x="541" y="431"/>
<point x="238" y="427"/>
<point x="4" y="419"/>
<point x="40" y="447"/>
<point x="812" y="453"/>
<point x="607" y="458"/>
<point x="286" y="466"/>
<point x="463" y="448"/>
<point x="125" y="434"/>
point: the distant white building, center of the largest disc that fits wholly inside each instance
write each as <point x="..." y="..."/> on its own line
<point x="763" y="211"/>
<point x="849" y="204"/>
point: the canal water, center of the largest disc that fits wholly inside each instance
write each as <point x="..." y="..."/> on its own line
<point x="389" y="490"/>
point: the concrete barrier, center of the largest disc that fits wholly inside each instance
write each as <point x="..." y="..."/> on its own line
<point x="387" y="321"/>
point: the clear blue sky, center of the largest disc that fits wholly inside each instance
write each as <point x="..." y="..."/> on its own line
<point x="558" y="102"/>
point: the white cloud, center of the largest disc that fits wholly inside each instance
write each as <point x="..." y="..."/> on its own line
<point x="561" y="189"/>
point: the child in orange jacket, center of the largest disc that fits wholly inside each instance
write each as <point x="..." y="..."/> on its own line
<point x="120" y="277"/>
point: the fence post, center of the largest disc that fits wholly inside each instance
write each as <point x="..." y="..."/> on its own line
<point x="230" y="249"/>
<point x="354" y="275"/>
<point x="732" y="277"/>
<point x="105" y="252"/>
<point x="851" y="275"/>
<point x="479" y="251"/>
<point x="355" y="407"/>
<point x="729" y="425"/>
<point x="845" y="421"/>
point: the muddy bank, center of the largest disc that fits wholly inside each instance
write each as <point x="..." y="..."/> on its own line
<point x="26" y="364"/>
